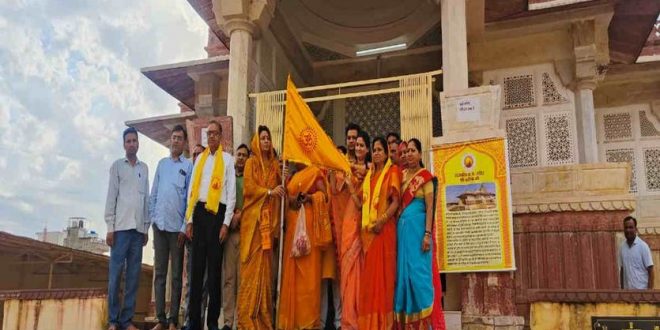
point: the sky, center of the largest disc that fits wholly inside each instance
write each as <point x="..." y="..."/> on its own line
<point x="69" y="79"/>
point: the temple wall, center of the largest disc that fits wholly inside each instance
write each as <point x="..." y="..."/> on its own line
<point x="652" y="237"/>
<point x="520" y="50"/>
<point x="631" y="134"/>
<point x="567" y="223"/>
<point x="268" y="70"/>
<point x="538" y="114"/>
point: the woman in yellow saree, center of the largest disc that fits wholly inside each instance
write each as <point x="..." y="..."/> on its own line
<point x="380" y="196"/>
<point x="259" y="227"/>
<point x="300" y="296"/>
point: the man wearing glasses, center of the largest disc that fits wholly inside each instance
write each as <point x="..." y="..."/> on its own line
<point x="211" y="201"/>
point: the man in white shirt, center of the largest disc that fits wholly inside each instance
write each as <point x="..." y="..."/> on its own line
<point x="635" y="259"/>
<point x="127" y="217"/>
<point x="208" y="225"/>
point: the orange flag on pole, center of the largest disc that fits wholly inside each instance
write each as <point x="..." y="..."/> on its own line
<point x="304" y="140"/>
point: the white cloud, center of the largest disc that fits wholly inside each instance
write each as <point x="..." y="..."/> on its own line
<point x="69" y="78"/>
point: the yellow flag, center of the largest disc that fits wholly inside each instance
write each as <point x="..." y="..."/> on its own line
<point x="304" y="140"/>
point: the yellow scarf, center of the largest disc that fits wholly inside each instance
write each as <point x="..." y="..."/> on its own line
<point x="369" y="210"/>
<point x="215" y="186"/>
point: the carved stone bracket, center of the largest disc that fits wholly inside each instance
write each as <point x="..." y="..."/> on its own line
<point x="245" y="15"/>
<point x="593" y="296"/>
<point x="578" y="206"/>
<point x="588" y="70"/>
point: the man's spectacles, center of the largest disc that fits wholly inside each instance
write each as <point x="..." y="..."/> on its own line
<point x="212" y="133"/>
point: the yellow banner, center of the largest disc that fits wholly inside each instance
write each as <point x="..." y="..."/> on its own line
<point x="473" y="213"/>
<point x="304" y="140"/>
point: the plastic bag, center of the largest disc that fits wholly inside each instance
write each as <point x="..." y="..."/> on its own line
<point x="301" y="245"/>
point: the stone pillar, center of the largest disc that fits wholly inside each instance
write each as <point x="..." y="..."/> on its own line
<point x="240" y="35"/>
<point x="586" y="76"/>
<point x="586" y="121"/>
<point x="454" y="45"/>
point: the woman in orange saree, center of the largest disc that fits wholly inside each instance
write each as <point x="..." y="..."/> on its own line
<point x="259" y="227"/>
<point x="380" y="196"/>
<point x="350" y="246"/>
<point x="300" y="296"/>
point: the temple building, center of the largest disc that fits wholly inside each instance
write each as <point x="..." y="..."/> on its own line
<point x="478" y="199"/>
<point x="578" y="84"/>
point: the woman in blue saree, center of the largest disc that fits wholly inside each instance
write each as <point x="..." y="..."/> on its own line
<point x="417" y="297"/>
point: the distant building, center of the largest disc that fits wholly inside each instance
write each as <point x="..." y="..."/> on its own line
<point x="53" y="237"/>
<point x="474" y="200"/>
<point x="75" y="236"/>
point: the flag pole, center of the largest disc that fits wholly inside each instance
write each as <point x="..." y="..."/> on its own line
<point x="280" y="248"/>
<point x="282" y="220"/>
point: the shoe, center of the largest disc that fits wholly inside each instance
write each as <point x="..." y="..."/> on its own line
<point x="113" y="327"/>
<point x="131" y="327"/>
<point x="226" y="327"/>
<point x="172" y="327"/>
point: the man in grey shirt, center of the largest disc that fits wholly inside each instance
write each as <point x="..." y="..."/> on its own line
<point x="635" y="259"/>
<point x="126" y="214"/>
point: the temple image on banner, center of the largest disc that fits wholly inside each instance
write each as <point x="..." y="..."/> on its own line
<point x="539" y="125"/>
<point x="471" y="197"/>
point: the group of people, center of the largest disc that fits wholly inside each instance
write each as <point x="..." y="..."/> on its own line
<point x="363" y="238"/>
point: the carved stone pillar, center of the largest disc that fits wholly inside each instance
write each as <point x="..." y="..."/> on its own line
<point x="586" y="121"/>
<point x="586" y="74"/>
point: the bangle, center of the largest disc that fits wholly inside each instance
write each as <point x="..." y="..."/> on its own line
<point x="428" y="232"/>
<point x="269" y="191"/>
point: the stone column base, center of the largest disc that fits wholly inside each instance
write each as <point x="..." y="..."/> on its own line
<point x="501" y="322"/>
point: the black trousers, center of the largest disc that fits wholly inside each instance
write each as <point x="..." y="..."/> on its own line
<point x="206" y="251"/>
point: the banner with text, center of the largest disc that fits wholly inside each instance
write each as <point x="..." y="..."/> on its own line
<point x="473" y="214"/>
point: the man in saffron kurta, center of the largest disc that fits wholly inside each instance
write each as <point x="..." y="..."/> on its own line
<point x="300" y="296"/>
<point x="259" y="227"/>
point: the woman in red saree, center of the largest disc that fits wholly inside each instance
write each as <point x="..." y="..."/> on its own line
<point x="380" y="196"/>
<point x="350" y="245"/>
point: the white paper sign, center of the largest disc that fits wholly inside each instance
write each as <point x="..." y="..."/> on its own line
<point x="468" y="109"/>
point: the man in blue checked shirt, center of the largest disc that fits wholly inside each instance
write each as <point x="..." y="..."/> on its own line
<point x="167" y="208"/>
